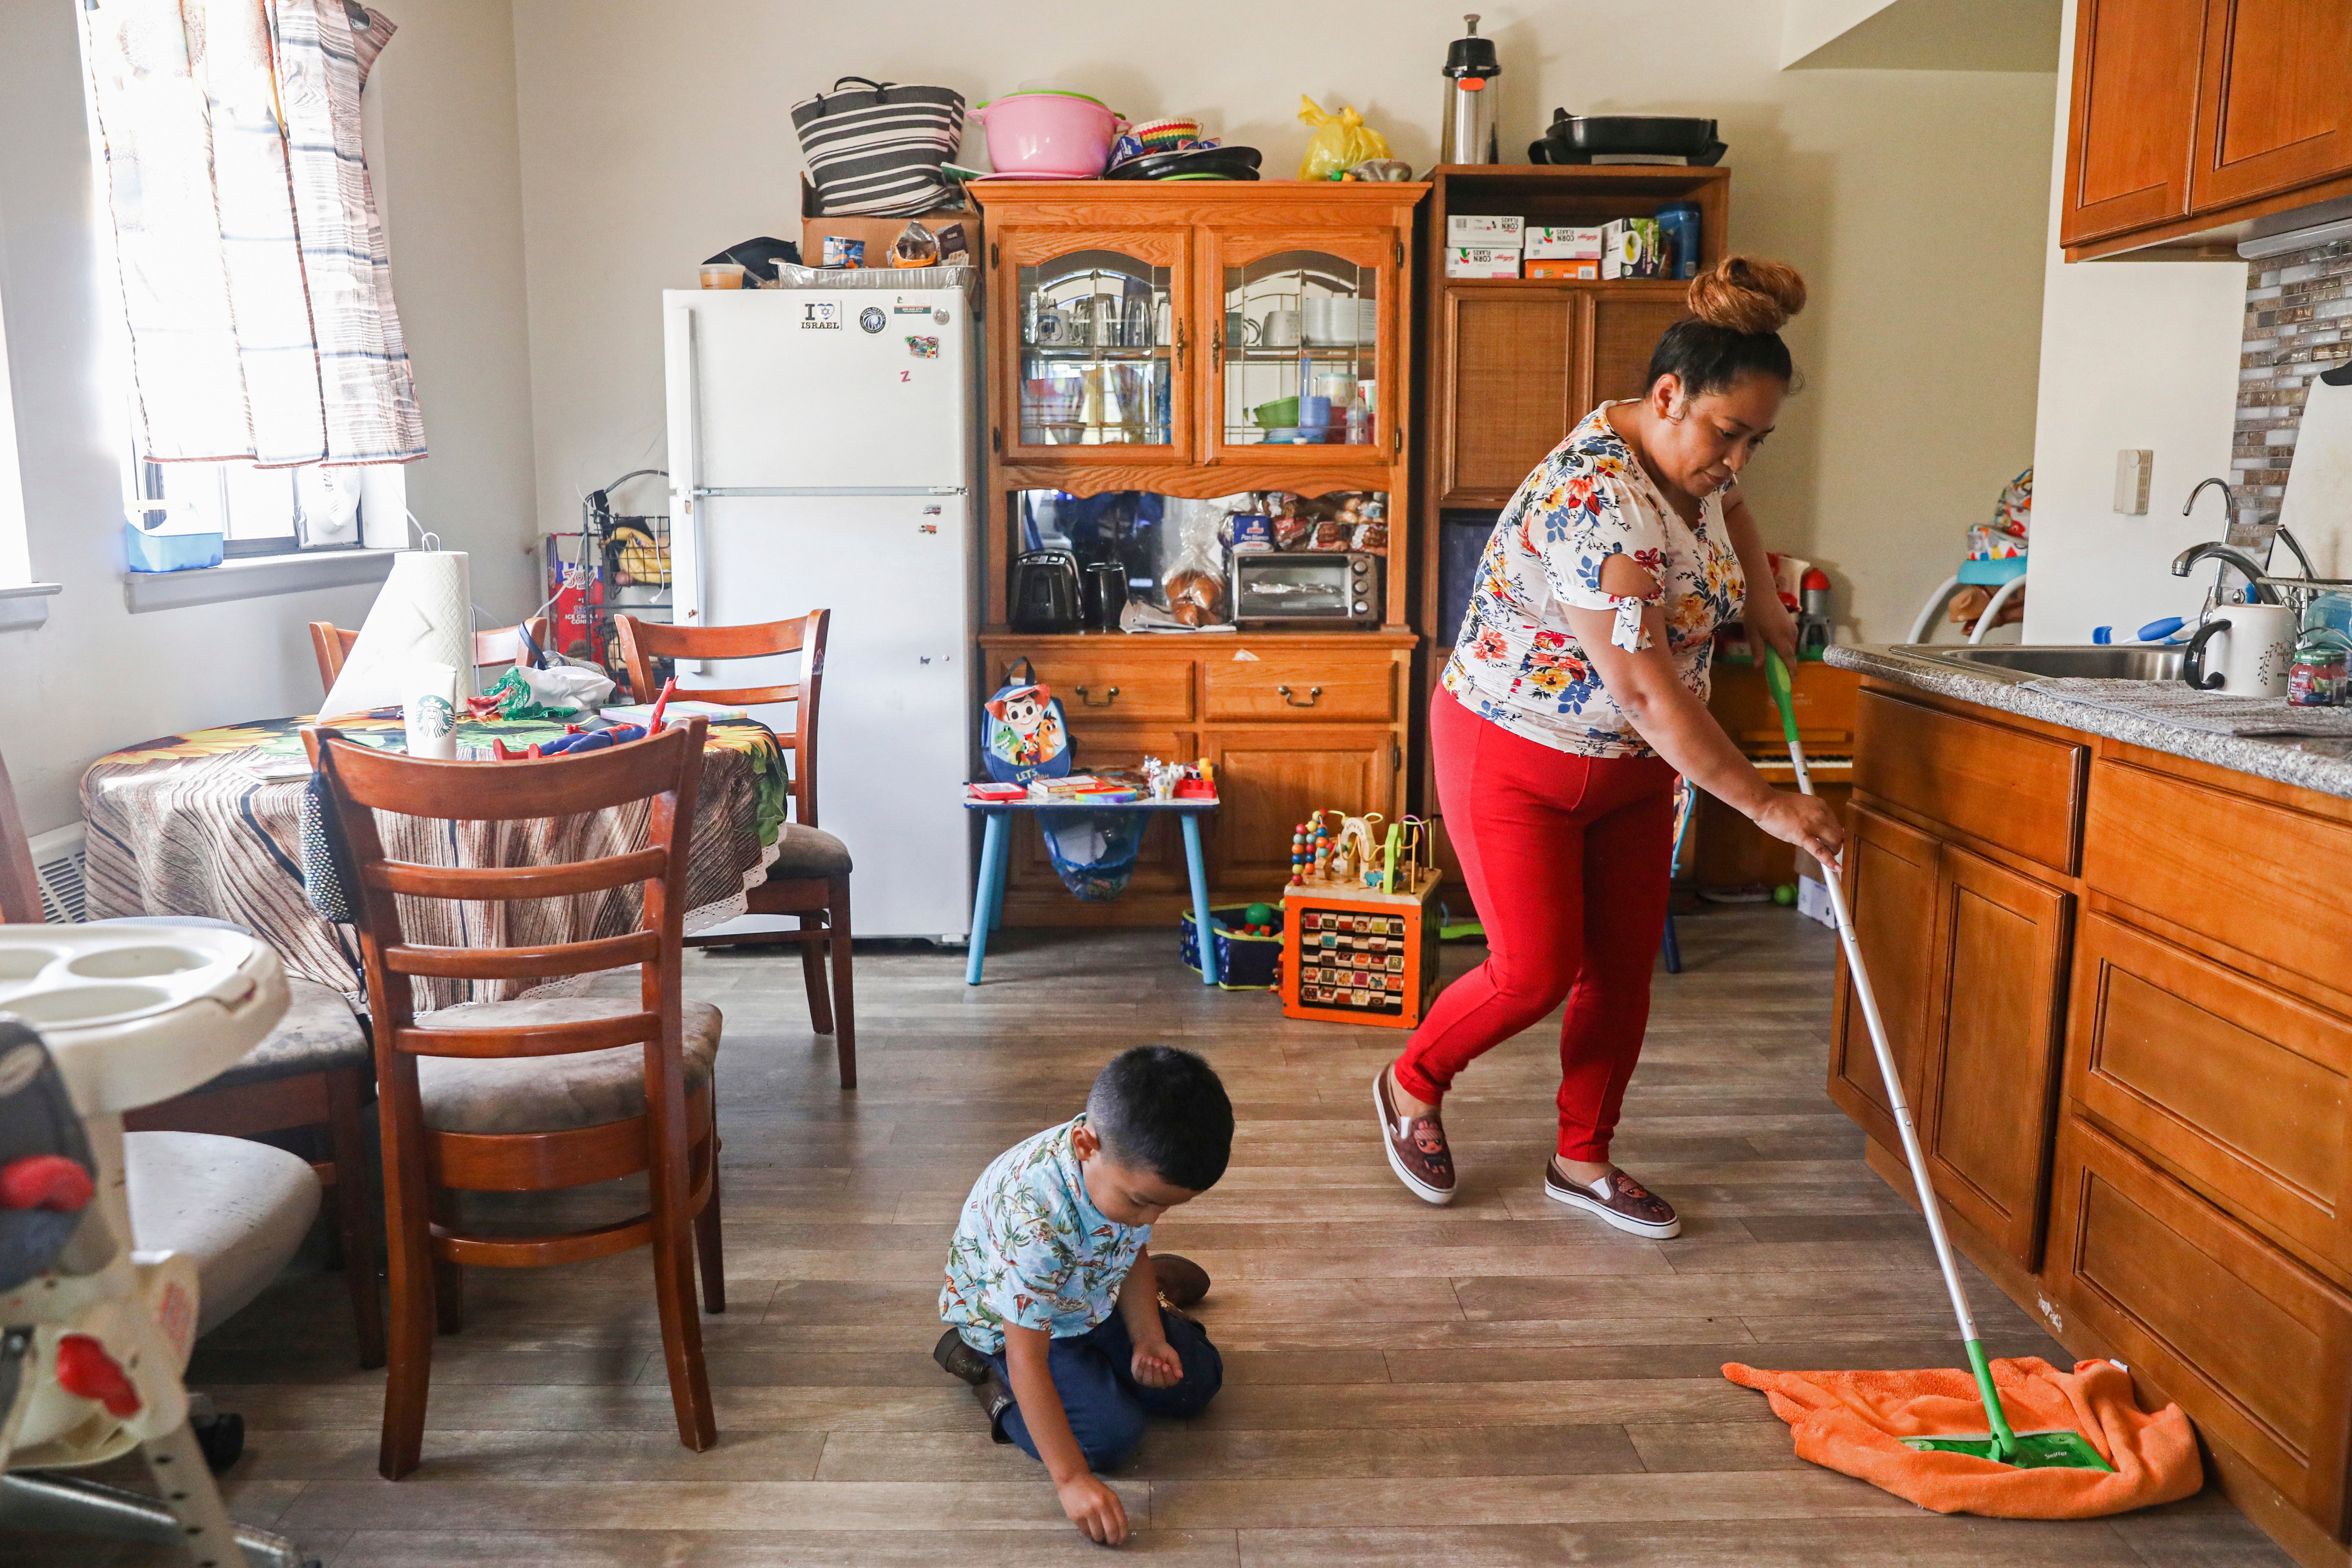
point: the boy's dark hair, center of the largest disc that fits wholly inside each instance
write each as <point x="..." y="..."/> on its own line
<point x="1164" y="1110"/>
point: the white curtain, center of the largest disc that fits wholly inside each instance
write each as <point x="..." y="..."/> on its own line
<point x="255" y="287"/>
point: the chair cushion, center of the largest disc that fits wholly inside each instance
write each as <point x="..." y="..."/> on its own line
<point x="238" y="1208"/>
<point x="319" y="1031"/>
<point x="808" y="852"/>
<point x="548" y="1094"/>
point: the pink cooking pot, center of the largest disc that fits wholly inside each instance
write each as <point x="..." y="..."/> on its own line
<point x="1067" y="134"/>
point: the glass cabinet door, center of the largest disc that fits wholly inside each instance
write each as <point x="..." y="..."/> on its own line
<point x="1300" y="348"/>
<point x="1103" y="339"/>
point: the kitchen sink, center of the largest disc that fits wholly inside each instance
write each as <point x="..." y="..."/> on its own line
<point x="2028" y="662"/>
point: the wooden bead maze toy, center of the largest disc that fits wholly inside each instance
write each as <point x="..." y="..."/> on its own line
<point x="1360" y="938"/>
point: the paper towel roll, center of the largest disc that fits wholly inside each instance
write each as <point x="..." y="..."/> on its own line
<point x="424" y="614"/>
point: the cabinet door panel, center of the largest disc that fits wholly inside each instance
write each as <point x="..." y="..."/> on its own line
<point x="1508" y="385"/>
<point x="1992" y="1073"/>
<point x="2256" y="1348"/>
<point x="1269" y="780"/>
<point x="1625" y="332"/>
<point x="1100" y="357"/>
<point x="1890" y="886"/>
<point x="1159" y="864"/>
<point x="2244" y="1094"/>
<point x="2276" y="101"/>
<point x="1339" y="286"/>
<point x="2131" y="135"/>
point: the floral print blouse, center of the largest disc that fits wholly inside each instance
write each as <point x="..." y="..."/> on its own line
<point x="1031" y="1247"/>
<point x="1517" y="663"/>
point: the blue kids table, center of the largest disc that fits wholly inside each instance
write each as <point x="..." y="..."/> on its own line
<point x="995" y="854"/>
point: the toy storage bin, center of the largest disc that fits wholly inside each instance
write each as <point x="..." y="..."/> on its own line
<point x="1245" y="962"/>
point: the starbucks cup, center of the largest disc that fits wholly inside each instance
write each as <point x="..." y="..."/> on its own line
<point x="431" y="711"/>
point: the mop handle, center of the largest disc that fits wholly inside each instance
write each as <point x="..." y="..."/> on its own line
<point x="1776" y="677"/>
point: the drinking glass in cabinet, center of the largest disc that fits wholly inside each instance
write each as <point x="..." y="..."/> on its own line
<point x="1298" y="347"/>
<point x="1094" y="351"/>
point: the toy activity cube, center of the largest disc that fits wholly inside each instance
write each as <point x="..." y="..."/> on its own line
<point x="1352" y="954"/>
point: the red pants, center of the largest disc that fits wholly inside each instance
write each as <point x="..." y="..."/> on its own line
<point x="1567" y="858"/>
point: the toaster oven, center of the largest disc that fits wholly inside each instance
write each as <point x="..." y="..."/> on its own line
<point x="1340" y="587"/>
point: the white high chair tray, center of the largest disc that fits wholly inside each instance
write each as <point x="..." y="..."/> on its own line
<point x="136" y="1014"/>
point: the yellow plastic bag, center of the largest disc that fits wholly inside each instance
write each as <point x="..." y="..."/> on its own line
<point x="1340" y="141"/>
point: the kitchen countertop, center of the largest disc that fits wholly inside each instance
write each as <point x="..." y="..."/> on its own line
<point x="2325" y="765"/>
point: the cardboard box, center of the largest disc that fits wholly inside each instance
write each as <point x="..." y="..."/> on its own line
<point x="1583" y="271"/>
<point x="1578" y="242"/>
<point x="1630" y="248"/>
<point x="1481" y="261"/>
<point x="878" y="233"/>
<point x="1494" y="233"/>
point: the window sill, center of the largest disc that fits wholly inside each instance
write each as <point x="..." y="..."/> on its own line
<point x="254" y="576"/>
<point x="27" y="605"/>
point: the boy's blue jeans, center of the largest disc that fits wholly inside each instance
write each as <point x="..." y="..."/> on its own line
<point x="1092" y="1373"/>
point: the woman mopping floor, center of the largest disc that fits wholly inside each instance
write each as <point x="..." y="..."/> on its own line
<point x="1576" y="692"/>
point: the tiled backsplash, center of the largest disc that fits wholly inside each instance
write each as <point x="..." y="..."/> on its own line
<point x="2298" y="323"/>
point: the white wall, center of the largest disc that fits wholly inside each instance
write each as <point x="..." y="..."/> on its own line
<point x="2133" y="355"/>
<point x="653" y="135"/>
<point x="96" y="678"/>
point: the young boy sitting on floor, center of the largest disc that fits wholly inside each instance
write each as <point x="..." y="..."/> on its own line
<point x="1054" y="1308"/>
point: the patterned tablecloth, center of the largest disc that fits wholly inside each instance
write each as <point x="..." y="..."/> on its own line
<point x="209" y="823"/>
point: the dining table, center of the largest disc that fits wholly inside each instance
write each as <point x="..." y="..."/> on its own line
<point x="211" y="824"/>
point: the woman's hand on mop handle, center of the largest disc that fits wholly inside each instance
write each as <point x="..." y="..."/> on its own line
<point x="1805" y="821"/>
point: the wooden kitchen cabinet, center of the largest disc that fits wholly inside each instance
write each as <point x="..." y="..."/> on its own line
<point x="1968" y="962"/>
<point x="2195" y="123"/>
<point x="2185" y="1158"/>
<point x="1269" y="780"/>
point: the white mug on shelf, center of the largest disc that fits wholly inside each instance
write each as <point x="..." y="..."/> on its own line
<point x="2257" y="649"/>
<point x="1280" y="330"/>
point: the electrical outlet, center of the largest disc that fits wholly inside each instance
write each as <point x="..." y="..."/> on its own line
<point x="2133" y="467"/>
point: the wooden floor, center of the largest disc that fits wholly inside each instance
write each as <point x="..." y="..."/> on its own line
<point x="1495" y="1385"/>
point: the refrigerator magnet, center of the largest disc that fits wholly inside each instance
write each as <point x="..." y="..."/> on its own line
<point x="872" y="320"/>
<point x="821" y="315"/>
<point x="923" y="347"/>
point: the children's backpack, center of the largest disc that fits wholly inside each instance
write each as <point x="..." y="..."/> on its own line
<point x="1023" y="730"/>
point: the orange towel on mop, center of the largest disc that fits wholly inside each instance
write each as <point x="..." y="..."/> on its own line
<point x="1853" y="1422"/>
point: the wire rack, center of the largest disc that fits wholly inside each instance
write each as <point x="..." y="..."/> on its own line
<point x="2296" y="593"/>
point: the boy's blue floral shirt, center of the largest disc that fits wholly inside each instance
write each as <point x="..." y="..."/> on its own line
<point x="1031" y="1247"/>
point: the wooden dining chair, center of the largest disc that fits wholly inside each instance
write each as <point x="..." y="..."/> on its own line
<point x="809" y="875"/>
<point x="334" y="646"/>
<point x="538" y="1094"/>
<point x="312" y="1072"/>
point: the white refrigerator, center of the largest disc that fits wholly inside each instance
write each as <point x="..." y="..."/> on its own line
<point x="821" y="456"/>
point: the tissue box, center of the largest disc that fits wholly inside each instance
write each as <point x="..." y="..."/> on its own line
<point x="1628" y="248"/>
<point x="1481" y="261"/>
<point x="1560" y="242"/>
<point x="145" y="551"/>
<point x="1503" y="233"/>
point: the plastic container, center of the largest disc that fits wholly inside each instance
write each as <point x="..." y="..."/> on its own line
<point x="145" y="551"/>
<point x="1064" y="134"/>
<point x="1245" y="962"/>
<point x="1678" y="228"/>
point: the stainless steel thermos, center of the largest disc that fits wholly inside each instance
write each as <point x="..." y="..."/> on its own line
<point x="1466" y="134"/>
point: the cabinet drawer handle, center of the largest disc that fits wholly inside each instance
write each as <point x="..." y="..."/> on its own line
<point x="1314" y="695"/>
<point x="1110" y="695"/>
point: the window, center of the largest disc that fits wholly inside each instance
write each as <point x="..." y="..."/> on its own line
<point x="259" y="511"/>
<point x="16" y="556"/>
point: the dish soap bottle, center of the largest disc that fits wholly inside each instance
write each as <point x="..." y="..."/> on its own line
<point x="2317" y="678"/>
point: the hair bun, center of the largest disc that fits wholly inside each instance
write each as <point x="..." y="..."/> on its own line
<point x="1747" y="294"/>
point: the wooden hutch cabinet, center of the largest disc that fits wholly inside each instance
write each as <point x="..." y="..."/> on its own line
<point x="1141" y="339"/>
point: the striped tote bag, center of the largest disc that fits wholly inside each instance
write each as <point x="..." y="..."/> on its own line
<point x="874" y="149"/>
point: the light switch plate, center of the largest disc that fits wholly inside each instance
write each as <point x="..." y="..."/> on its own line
<point x="2133" y="467"/>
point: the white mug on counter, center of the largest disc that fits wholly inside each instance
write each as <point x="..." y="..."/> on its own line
<point x="2257" y="649"/>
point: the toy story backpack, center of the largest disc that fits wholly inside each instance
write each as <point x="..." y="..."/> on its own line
<point x="1023" y="731"/>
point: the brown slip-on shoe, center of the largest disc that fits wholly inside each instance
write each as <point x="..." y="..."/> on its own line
<point x="1181" y="1282"/>
<point x="1621" y="1202"/>
<point x="1417" y="1147"/>
<point x="959" y="1360"/>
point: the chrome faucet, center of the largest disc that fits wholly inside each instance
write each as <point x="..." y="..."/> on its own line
<point x="2229" y="513"/>
<point x="2227" y="556"/>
